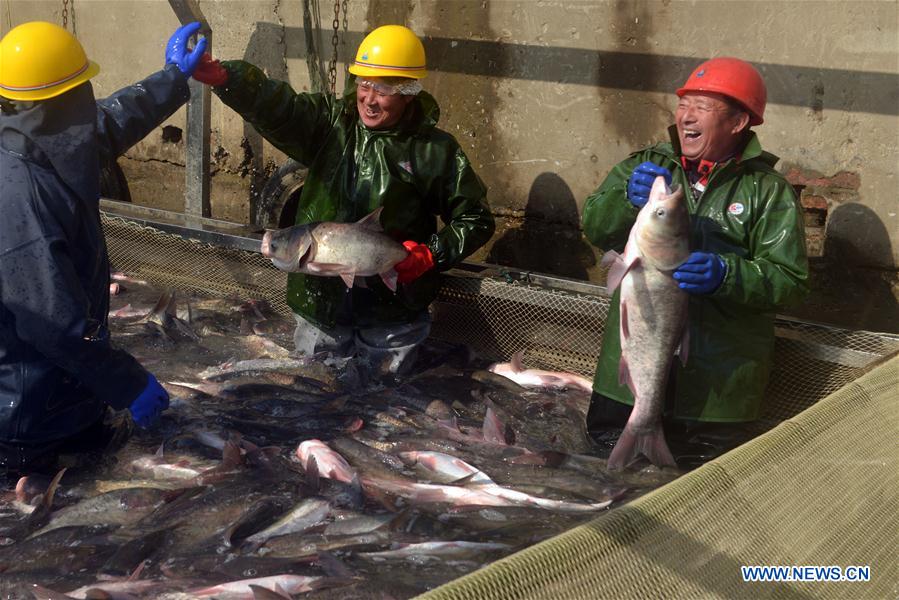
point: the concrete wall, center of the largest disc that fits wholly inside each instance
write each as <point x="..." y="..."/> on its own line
<point x="545" y="96"/>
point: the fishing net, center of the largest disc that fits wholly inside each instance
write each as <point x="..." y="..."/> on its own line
<point x="821" y="488"/>
<point x="170" y="261"/>
<point x="499" y="313"/>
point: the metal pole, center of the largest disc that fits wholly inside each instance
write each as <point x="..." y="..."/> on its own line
<point x="196" y="189"/>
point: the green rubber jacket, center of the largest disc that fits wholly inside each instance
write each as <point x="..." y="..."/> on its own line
<point x="750" y="216"/>
<point x="416" y="171"/>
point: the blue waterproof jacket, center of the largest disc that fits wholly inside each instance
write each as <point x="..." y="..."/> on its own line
<point x="58" y="370"/>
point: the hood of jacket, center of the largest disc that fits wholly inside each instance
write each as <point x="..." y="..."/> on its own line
<point x="61" y="131"/>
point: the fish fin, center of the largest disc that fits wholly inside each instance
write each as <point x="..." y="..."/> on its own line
<point x="428" y="496"/>
<point x="263" y="593"/>
<point x="494" y="429"/>
<point x="38" y="518"/>
<point x="231" y="455"/>
<point x="450" y="423"/>
<point x="333" y="566"/>
<point x="466" y="481"/>
<point x="624" y="331"/>
<point x="51" y="489"/>
<point x="630" y="445"/>
<point x="348" y="279"/>
<point x="372" y="220"/>
<point x="619" y="265"/>
<point x="389" y="279"/>
<point x="614" y="262"/>
<point x="320" y="268"/>
<point x="172" y="307"/>
<point x="357" y="496"/>
<point x="549" y="458"/>
<point x="42" y="593"/>
<point x="161" y="304"/>
<point x="624" y="374"/>
<point x="185" y="329"/>
<point x="135" y="574"/>
<point x="683" y="351"/>
<point x="516" y="361"/>
<point x="608" y="258"/>
<point x="313" y="476"/>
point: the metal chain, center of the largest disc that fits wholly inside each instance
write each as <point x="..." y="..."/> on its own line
<point x="332" y="64"/>
<point x="65" y="15"/>
<point x="346" y="65"/>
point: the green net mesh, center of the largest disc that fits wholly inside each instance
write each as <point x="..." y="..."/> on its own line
<point x="821" y="488"/>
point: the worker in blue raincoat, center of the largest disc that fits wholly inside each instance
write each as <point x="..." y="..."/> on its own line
<point x="376" y="146"/>
<point x="59" y="375"/>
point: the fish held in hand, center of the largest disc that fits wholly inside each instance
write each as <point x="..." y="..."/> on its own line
<point x="345" y="250"/>
<point x="653" y="318"/>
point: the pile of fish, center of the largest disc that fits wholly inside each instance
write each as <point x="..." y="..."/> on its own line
<point x="273" y="476"/>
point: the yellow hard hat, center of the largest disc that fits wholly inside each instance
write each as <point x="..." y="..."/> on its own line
<point x="41" y="60"/>
<point x="390" y="51"/>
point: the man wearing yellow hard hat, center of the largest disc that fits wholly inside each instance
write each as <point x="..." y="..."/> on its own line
<point x="376" y="146"/>
<point x="59" y="375"/>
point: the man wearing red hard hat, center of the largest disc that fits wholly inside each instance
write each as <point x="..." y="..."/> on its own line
<point x="747" y="247"/>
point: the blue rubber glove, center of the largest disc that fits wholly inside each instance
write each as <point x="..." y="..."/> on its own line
<point x="176" y="52"/>
<point x="152" y="401"/>
<point x="640" y="182"/>
<point x="702" y="273"/>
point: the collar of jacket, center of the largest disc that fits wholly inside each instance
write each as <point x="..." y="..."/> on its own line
<point x="421" y="115"/>
<point x="751" y="151"/>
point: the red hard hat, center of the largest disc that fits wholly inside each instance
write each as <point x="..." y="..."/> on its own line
<point x="733" y="78"/>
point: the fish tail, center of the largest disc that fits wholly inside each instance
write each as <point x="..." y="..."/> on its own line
<point x="389" y="277"/>
<point x="650" y="444"/>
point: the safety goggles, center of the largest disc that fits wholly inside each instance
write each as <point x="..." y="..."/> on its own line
<point x="409" y="87"/>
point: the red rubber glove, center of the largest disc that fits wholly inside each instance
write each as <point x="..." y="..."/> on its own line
<point x="419" y="261"/>
<point x="210" y="71"/>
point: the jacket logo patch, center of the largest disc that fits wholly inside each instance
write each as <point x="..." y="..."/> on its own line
<point x="406" y="166"/>
<point x="736" y="208"/>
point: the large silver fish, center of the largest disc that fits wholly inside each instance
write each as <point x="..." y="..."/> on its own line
<point x="653" y="319"/>
<point x="345" y="250"/>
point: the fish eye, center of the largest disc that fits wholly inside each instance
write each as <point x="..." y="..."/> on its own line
<point x="661" y="212"/>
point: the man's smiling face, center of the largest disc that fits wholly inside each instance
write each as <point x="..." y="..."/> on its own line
<point x="708" y="126"/>
<point x="377" y="109"/>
